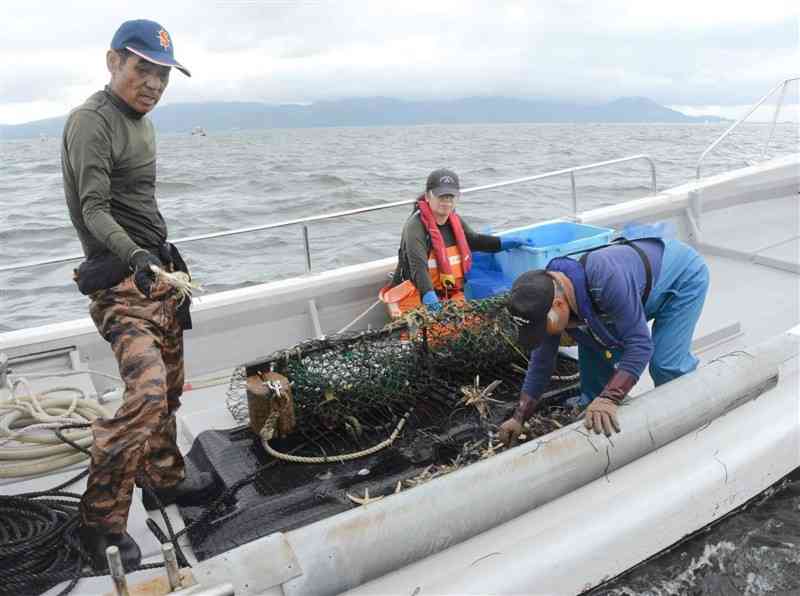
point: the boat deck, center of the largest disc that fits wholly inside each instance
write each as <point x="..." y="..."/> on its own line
<point x="753" y="252"/>
<point x="753" y="255"/>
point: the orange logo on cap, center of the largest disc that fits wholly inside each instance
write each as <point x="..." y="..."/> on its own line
<point x="163" y="39"/>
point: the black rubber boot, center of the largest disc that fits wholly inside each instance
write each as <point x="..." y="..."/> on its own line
<point x="189" y="491"/>
<point x="95" y="541"/>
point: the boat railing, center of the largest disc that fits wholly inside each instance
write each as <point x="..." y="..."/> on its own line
<point x="305" y="221"/>
<point x="778" y="105"/>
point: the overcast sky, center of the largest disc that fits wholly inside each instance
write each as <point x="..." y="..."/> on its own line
<point x="704" y="56"/>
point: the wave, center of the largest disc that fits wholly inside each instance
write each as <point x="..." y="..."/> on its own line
<point x="161" y="187"/>
<point x="214" y="179"/>
<point x="252" y="185"/>
<point x="50" y="234"/>
<point x="43" y="168"/>
<point x="327" y="180"/>
<point x="484" y="171"/>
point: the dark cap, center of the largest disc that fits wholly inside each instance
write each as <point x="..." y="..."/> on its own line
<point x="148" y="40"/>
<point x="443" y="182"/>
<point x="531" y="299"/>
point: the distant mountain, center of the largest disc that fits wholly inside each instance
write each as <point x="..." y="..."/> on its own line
<point x="381" y="111"/>
<point x="642" y="109"/>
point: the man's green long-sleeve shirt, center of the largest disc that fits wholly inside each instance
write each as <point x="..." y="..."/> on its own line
<point x="108" y="162"/>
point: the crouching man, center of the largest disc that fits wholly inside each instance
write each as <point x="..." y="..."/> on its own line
<point x="603" y="301"/>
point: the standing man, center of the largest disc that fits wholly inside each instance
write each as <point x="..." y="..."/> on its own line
<point x="108" y="159"/>
<point x="603" y="301"/>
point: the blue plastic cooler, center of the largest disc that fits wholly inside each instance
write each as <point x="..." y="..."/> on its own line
<point x="551" y="240"/>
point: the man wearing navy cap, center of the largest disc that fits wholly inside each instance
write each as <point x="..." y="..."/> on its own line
<point x="108" y="159"/>
<point x="603" y="301"/>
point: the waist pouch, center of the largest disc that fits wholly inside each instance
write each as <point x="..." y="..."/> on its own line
<point x="100" y="273"/>
<point x="106" y="271"/>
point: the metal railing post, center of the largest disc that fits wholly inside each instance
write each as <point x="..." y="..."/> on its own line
<point x="117" y="571"/>
<point x="307" y="248"/>
<point x="171" y="565"/>
<point x="733" y="126"/>
<point x="653" y="176"/>
<point x="574" y="193"/>
<point x="778" y="106"/>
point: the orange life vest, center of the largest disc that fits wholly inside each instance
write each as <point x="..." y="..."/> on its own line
<point x="440" y="252"/>
<point x="405" y="296"/>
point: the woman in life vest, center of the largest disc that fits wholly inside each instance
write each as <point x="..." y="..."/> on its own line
<point x="436" y="249"/>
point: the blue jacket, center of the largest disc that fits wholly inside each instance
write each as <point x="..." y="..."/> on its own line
<point x="609" y="294"/>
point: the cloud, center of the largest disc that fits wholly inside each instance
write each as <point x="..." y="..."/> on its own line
<point x="679" y="53"/>
<point x="48" y="74"/>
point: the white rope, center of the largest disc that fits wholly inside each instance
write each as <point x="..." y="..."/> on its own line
<point x="26" y="419"/>
<point x="71" y="373"/>
<point x="359" y="317"/>
<point x="297" y="459"/>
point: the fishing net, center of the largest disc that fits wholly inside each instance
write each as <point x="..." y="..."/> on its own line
<point x="460" y="364"/>
<point x="359" y="416"/>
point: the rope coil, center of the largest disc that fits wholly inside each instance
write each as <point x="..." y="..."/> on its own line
<point x="24" y="416"/>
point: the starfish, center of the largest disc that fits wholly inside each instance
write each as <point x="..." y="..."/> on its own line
<point x="489" y="451"/>
<point x="474" y="396"/>
<point x="365" y="500"/>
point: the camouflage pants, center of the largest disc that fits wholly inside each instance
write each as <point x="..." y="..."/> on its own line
<point x="137" y="445"/>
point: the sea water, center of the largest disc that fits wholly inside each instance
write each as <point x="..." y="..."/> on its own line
<point x="245" y="178"/>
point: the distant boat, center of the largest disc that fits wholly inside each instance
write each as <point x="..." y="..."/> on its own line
<point x="42" y="136"/>
<point x="198" y="130"/>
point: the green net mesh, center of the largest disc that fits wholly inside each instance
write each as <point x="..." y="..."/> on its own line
<point x="434" y="366"/>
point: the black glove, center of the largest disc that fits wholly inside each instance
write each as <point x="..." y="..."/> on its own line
<point x="143" y="276"/>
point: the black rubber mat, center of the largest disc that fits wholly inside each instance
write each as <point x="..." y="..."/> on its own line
<point x="278" y="496"/>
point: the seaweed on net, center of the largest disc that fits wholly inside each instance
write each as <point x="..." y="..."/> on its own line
<point x="465" y="339"/>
